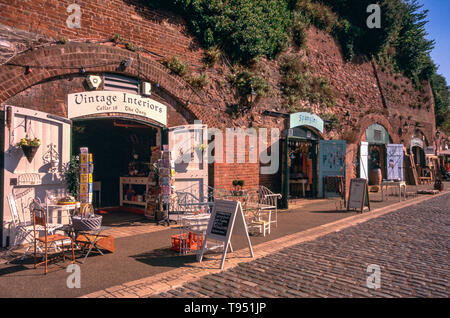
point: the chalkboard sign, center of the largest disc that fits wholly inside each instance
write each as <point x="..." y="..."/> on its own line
<point x="359" y="194"/>
<point x="221" y="225"/>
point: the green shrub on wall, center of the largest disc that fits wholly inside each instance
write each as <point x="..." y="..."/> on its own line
<point x="299" y="84"/>
<point x="245" y="29"/>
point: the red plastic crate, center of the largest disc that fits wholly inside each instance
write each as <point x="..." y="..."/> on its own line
<point x="191" y="241"/>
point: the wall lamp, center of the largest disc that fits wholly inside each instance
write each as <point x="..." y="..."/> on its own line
<point x="251" y="97"/>
<point x="125" y="63"/>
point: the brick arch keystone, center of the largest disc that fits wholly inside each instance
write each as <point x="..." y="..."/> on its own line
<point x="61" y="60"/>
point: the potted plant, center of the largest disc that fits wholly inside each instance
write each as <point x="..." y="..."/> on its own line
<point x="72" y="176"/>
<point x="238" y="184"/>
<point x="29" y="147"/>
<point x="235" y="185"/>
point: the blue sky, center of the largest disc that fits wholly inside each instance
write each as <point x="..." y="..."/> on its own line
<point x="438" y="28"/>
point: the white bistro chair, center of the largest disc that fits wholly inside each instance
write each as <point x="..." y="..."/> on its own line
<point x="23" y="228"/>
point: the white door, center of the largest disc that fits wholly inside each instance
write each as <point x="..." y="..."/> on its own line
<point x="364" y="160"/>
<point x="191" y="166"/>
<point x="30" y="179"/>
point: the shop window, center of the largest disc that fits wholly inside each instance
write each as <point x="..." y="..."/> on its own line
<point x="377" y="135"/>
<point x="115" y="82"/>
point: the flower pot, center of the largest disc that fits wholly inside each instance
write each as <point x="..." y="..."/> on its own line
<point x="375" y="176"/>
<point x="29" y="152"/>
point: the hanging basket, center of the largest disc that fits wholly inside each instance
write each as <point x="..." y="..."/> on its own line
<point x="29" y="151"/>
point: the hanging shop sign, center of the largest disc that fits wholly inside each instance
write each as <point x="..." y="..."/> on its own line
<point x="306" y="119"/>
<point x="429" y="150"/>
<point x="100" y="102"/>
<point x="416" y="142"/>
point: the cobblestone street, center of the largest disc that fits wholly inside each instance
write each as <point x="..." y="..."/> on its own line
<point x="409" y="245"/>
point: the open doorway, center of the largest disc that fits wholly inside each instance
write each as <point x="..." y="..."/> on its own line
<point x="120" y="149"/>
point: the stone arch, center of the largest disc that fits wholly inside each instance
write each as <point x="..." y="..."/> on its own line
<point x="63" y="60"/>
<point x="371" y="119"/>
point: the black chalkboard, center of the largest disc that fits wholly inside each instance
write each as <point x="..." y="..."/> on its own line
<point x="221" y="223"/>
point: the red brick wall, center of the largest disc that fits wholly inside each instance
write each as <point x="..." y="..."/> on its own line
<point x="37" y="97"/>
<point x="160" y="34"/>
<point x="158" y="31"/>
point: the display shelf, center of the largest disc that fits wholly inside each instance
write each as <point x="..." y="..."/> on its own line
<point x="142" y="181"/>
<point x="133" y="202"/>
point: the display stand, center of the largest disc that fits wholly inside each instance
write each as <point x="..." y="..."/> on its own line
<point x="151" y="196"/>
<point x="166" y="171"/>
<point x="86" y="179"/>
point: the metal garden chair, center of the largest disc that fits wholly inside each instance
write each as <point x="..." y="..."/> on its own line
<point x="46" y="241"/>
<point x="267" y="202"/>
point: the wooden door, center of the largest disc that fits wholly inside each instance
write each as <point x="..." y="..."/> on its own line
<point x="190" y="161"/>
<point x="364" y="160"/>
<point x="25" y="179"/>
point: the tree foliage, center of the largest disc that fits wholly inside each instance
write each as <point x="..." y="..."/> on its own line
<point x="441" y="94"/>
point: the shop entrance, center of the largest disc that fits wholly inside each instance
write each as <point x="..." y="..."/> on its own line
<point x="121" y="150"/>
<point x="300" y="149"/>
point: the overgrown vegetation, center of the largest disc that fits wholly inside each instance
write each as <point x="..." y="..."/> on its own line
<point x="441" y="94"/>
<point x="212" y="55"/>
<point x="244" y="29"/>
<point x="299" y="84"/>
<point x="198" y="81"/>
<point x="246" y="80"/>
<point x="247" y="29"/>
<point x="176" y="66"/>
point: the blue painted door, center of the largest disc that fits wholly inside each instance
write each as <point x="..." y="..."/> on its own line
<point x="331" y="162"/>
<point x="394" y="157"/>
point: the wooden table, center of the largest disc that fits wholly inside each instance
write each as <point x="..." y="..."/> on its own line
<point x="398" y="184"/>
<point x="303" y="182"/>
<point x="87" y="240"/>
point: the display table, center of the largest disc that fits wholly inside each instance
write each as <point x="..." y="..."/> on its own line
<point x="62" y="219"/>
<point x="303" y="182"/>
<point x="397" y="184"/>
<point x="133" y="181"/>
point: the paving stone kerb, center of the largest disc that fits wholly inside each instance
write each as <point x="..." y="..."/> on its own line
<point x="161" y="283"/>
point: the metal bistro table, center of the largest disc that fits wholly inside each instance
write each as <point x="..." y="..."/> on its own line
<point x="398" y="184"/>
<point x="62" y="208"/>
<point x="91" y="238"/>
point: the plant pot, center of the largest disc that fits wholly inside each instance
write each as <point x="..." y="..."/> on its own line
<point x="29" y="152"/>
<point x="375" y="176"/>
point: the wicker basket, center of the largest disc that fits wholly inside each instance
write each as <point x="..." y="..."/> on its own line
<point x="80" y="223"/>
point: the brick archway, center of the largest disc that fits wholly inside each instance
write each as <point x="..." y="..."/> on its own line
<point x="62" y="60"/>
<point x="377" y="119"/>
